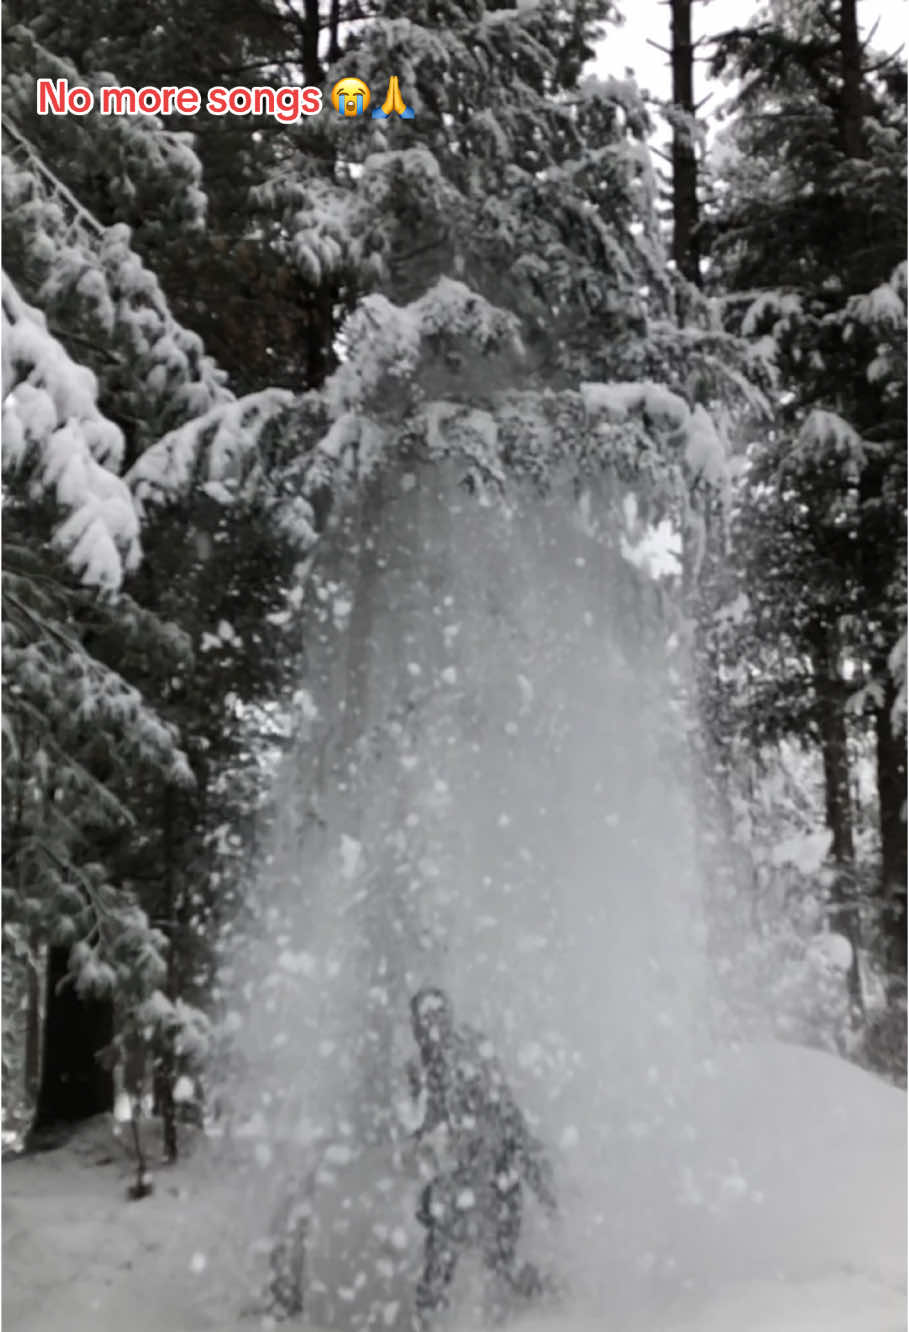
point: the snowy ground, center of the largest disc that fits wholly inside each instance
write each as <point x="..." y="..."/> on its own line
<point x="815" y="1241"/>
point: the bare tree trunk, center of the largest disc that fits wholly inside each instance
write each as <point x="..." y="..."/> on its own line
<point x="334" y="23"/>
<point x="163" y="1091"/>
<point x="32" y="1070"/>
<point x="164" y="1064"/>
<point x="684" y="160"/>
<point x="838" y="802"/>
<point x="852" y="138"/>
<point x="891" y="786"/>
<point x="309" y="32"/>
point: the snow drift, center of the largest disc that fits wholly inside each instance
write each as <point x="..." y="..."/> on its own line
<point x="822" y="1251"/>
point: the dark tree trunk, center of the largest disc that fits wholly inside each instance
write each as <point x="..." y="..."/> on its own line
<point x="309" y="32"/>
<point x="684" y="160"/>
<point x="891" y="786"/>
<point x="164" y="1065"/>
<point x="837" y="799"/>
<point x="32" y="1071"/>
<point x="74" y="1085"/>
<point x="334" y="23"/>
<point x="317" y="335"/>
<point x="852" y="138"/>
<point x="163" y="1093"/>
<point x="838" y="803"/>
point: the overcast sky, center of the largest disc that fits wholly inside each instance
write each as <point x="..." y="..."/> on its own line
<point x="627" y="47"/>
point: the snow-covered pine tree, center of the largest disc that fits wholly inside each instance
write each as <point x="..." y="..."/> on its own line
<point x="75" y="730"/>
<point x="507" y="301"/>
<point x="503" y="247"/>
<point x="228" y="275"/>
<point x="97" y="370"/>
<point x="819" y="527"/>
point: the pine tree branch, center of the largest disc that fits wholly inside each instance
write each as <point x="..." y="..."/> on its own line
<point x="42" y="625"/>
<point x="870" y="38"/>
<point x="65" y="336"/>
<point x="56" y="184"/>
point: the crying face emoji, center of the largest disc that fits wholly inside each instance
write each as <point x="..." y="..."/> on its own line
<point x="350" y="97"/>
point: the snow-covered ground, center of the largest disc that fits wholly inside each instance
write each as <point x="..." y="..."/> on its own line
<point x="805" y="1232"/>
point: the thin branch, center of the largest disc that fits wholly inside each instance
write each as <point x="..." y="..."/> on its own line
<point x="43" y="626"/>
<point x="69" y="336"/>
<point x="55" y="182"/>
<point x="890" y="59"/>
<point x="870" y="38"/>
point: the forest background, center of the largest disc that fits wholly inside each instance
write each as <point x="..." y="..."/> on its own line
<point x="215" y="333"/>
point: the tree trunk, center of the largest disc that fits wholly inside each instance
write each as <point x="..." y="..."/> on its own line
<point x="334" y="24"/>
<point x="309" y="54"/>
<point x="164" y="1064"/>
<point x="891" y="786"/>
<point x="684" y="160"/>
<point x="163" y="1094"/>
<point x="74" y="1085"/>
<point x="32" y="1070"/>
<point x="844" y="917"/>
<point x="838" y="803"/>
<point x="852" y="138"/>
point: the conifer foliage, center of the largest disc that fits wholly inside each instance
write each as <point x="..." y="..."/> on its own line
<point x="97" y="371"/>
<point x="815" y="152"/>
<point x="218" y="330"/>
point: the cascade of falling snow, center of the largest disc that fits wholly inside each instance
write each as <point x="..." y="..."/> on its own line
<point x="491" y="796"/>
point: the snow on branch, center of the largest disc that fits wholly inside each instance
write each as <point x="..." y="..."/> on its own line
<point x="385" y="347"/>
<point x="54" y="184"/>
<point x="436" y="378"/>
<point x="214" y="449"/>
<point x="781" y="307"/>
<point x="54" y="433"/>
<point x="334" y="230"/>
<point x="391" y="344"/>
<point x="139" y="155"/>
<point x="703" y="446"/>
<point x="615" y="402"/>
<point x="825" y="433"/>
<point x="884" y="308"/>
<point x="95" y="290"/>
<point x="452" y="309"/>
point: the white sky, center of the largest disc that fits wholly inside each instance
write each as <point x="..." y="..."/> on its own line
<point x="627" y="47"/>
